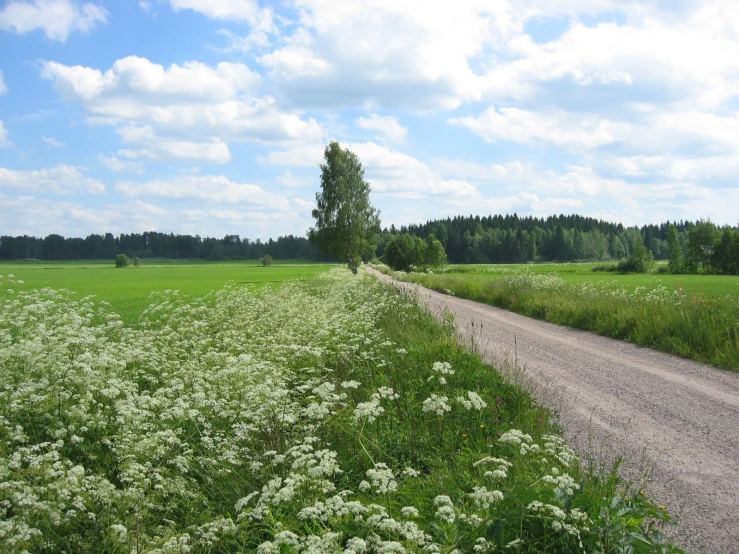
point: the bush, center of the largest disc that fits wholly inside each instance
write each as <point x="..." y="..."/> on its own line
<point x="121" y="260"/>
<point x="136" y="262"/>
<point x="605" y="268"/>
<point x="267" y="260"/>
<point x="640" y="261"/>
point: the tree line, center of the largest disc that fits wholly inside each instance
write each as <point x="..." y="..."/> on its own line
<point x="156" y="245"/>
<point x="695" y="246"/>
<point x="567" y="238"/>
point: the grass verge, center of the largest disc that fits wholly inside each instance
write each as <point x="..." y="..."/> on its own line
<point x="327" y="416"/>
<point x="698" y="327"/>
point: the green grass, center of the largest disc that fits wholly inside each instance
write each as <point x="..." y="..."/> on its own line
<point x="127" y="289"/>
<point x="576" y="273"/>
<point x="693" y="316"/>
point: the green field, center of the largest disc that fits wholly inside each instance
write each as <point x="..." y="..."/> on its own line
<point x="128" y="289"/>
<point x="576" y="273"/>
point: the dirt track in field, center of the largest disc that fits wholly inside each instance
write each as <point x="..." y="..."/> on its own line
<point x="675" y="419"/>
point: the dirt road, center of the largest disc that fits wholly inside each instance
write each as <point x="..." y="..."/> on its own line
<point x="677" y="418"/>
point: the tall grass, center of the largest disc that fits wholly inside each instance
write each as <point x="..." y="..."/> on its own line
<point x="329" y="416"/>
<point x="699" y="327"/>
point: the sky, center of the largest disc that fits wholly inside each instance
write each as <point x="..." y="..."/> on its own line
<point x="211" y="117"/>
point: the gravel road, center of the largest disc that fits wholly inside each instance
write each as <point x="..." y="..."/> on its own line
<point x="676" y="419"/>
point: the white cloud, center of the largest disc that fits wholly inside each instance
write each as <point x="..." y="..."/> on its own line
<point x="52" y="142"/>
<point x="246" y="10"/>
<point x="4" y="142"/>
<point x="656" y="132"/>
<point x="155" y="147"/>
<point x="115" y="164"/>
<point x="56" y="18"/>
<point x="39" y="216"/>
<point x="512" y="171"/>
<point x="211" y="188"/>
<point x="298" y="155"/>
<point x="3" y="86"/>
<point x="62" y="179"/>
<point x="384" y="53"/>
<point x="138" y="79"/>
<point x="388" y="127"/>
<point x="390" y="171"/>
<point x="189" y="103"/>
<point x="574" y="132"/>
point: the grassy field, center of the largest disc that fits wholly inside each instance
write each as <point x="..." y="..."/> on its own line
<point x="328" y="415"/>
<point x="127" y="289"/>
<point x="694" y="316"/>
<point x="577" y="273"/>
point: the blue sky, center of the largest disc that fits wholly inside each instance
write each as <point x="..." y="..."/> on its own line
<point x="211" y="116"/>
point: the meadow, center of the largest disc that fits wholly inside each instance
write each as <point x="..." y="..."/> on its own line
<point x="324" y="415"/>
<point x="694" y="316"/>
<point x="577" y="273"/>
<point x="127" y="289"/>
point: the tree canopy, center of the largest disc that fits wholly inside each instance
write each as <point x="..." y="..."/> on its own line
<point x="346" y="223"/>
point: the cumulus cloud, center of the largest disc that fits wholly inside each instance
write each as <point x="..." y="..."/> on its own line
<point x="388" y="171"/>
<point x="245" y="10"/>
<point x="56" y="18"/>
<point x="381" y="53"/>
<point x="62" y="179"/>
<point x="211" y="188"/>
<point x="388" y="127"/>
<point x="574" y="132"/>
<point x="153" y="147"/>
<point x="3" y="86"/>
<point x="115" y="164"/>
<point x="180" y="109"/>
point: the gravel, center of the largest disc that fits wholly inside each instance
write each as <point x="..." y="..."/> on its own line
<point x="674" y="421"/>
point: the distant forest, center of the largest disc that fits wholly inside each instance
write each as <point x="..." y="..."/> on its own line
<point x="563" y="238"/>
<point x="466" y="239"/>
<point x="156" y="245"/>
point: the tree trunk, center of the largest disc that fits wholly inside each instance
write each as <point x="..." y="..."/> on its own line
<point x="352" y="265"/>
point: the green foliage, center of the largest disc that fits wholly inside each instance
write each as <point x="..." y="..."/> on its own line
<point x="406" y="253"/>
<point x="674" y="250"/>
<point x="604" y="268"/>
<point x="348" y="414"/>
<point x="267" y="260"/>
<point x="434" y="255"/>
<point x="346" y="223"/>
<point x="640" y="260"/>
<point x="121" y="260"/>
<point x="725" y="257"/>
<point x="136" y="261"/>
<point x="700" y="245"/>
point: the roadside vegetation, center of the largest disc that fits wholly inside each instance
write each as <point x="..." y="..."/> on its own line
<point x="690" y="323"/>
<point x="328" y="415"/>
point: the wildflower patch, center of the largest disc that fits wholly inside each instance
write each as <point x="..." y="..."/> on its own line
<point x="309" y="418"/>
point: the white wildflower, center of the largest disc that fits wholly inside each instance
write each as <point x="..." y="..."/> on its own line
<point x="436" y="404"/>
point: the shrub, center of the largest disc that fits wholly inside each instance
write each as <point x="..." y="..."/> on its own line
<point x="136" y="261"/>
<point x="121" y="260"/>
<point x="605" y="268"/>
<point x="267" y="260"/>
